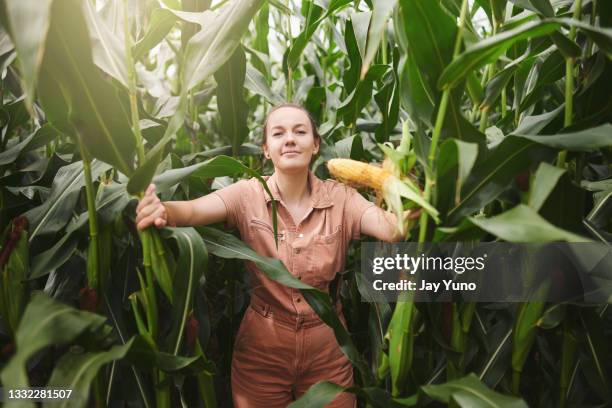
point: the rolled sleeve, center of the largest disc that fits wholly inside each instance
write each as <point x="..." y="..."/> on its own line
<point x="232" y="197"/>
<point x="355" y="207"/>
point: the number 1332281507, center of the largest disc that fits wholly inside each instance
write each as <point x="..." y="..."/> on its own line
<point x="35" y="394"/>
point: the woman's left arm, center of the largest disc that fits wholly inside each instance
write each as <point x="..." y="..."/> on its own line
<point x="382" y="224"/>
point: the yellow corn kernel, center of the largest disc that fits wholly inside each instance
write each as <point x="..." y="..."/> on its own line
<point x="358" y="173"/>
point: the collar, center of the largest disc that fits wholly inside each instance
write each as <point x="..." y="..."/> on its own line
<point x="319" y="197"/>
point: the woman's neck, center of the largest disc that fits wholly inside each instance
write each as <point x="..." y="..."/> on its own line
<point x="293" y="188"/>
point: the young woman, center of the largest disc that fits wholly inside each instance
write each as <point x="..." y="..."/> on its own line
<point x="282" y="347"/>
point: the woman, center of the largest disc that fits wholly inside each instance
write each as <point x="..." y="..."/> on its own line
<point x="282" y="347"/>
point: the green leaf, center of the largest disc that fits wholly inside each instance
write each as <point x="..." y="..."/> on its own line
<point x="143" y="355"/>
<point x="470" y="392"/>
<point x="28" y="24"/>
<point x="191" y="262"/>
<point x="142" y="176"/>
<point x="76" y="98"/>
<point x="378" y="24"/>
<point x="489" y="49"/>
<point x="109" y="203"/>
<point x="430" y="34"/>
<point x="160" y="24"/>
<point x="456" y="159"/>
<point x="107" y="48"/>
<point x="567" y="47"/>
<point x="584" y="141"/>
<point x="210" y="48"/>
<point x="596" y="346"/>
<point x="41" y="137"/>
<point x="77" y="369"/>
<point x="14" y="291"/>
<point x="534" y="124"/>
<point x="55" y="212"/>
<point x="314" y="18"/>
<point x="492" y="175"/>
<point x="230" y="99"/>
<point x="600" y="35"/>
<point x="526" y="327"/>
<point x="256" y="83"/>
<point x="544" y="181"/>
<point x="352" y="106"/>
<point x="522" y="224"/>
<point x="416" y="96"/>
<point x="400" y="335"/>
<point x="427" y="33"/>
<point x="45" y="322"/>
<point x="350" y="147"/>
<point x="387" y="100"/>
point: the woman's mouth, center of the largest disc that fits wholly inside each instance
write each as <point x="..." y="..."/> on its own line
<point x="291" y="153"/>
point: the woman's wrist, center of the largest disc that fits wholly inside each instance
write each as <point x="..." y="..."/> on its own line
<point x="170" y="221"/>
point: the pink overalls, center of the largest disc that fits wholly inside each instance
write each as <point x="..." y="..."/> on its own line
<point x="282" y="347"/>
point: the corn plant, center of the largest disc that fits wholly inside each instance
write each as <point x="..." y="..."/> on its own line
<point x="491" y="115"/>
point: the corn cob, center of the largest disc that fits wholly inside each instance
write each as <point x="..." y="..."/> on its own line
<point x="357" y="173"/>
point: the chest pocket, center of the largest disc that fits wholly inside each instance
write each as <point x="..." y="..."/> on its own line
<point x="325" y="257"/>
<point x="256" y="225"/>
<point x="261" y="237"/>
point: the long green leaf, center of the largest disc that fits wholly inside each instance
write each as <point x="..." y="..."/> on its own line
<point x="523" y="224"/>
<point x="76" y="98"/>
<point x="209" y="49"/>
<point x="76" y="370"/>
<point x="378" y="24"/>
<point x="470" y="392"/>
<point x="45" y="322"/>
<point x="192" y="260"/>
<point x="492" y="175"/>
<point x="585" y="140"/>
<point x="488" y="50"/>
<point x="230" y="99"/>
<point x="160" y="24"/>
<point x="56" y="211"/>
<point x="544" y="181"/>
<point x="107" y="48"/>
<point x="28" y="24"/>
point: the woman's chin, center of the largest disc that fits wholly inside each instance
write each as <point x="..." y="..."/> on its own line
<point x="291" y="166"/>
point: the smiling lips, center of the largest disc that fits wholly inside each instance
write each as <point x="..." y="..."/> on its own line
<point x="290" y="152"/>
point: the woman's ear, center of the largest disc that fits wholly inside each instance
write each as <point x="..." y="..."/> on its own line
<point x="317" y="145"/>
<point x="265" y="151"/>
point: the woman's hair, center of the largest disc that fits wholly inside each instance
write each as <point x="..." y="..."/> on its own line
<point x="315" y="132"/>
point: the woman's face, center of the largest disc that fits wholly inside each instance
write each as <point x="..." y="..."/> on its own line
<point x="290" y="141"/>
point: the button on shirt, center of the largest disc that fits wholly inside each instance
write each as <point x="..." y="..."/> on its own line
<point x="312" y="249"/>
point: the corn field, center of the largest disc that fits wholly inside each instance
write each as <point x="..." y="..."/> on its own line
<point x="498" y="111"/>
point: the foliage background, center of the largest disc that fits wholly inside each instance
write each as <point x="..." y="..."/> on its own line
<point x="500" y="110"/>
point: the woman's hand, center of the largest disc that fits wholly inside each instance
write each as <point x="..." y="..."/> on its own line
<point x="150" y="210"/>
<point x="382" y="224"/>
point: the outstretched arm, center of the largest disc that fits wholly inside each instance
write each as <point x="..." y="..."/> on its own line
<point x="204" y="210"/>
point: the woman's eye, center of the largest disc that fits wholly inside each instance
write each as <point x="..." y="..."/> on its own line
<point x="276" y="134"/>
<point x="301" y="132"/>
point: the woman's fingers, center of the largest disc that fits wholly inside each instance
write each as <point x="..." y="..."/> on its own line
<point x="149" y="197"/>
<point x="150" y="210"/>
<point x="159" y="213"/>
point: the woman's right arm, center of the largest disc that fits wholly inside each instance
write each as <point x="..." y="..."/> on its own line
<point x="204" y="210"/>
